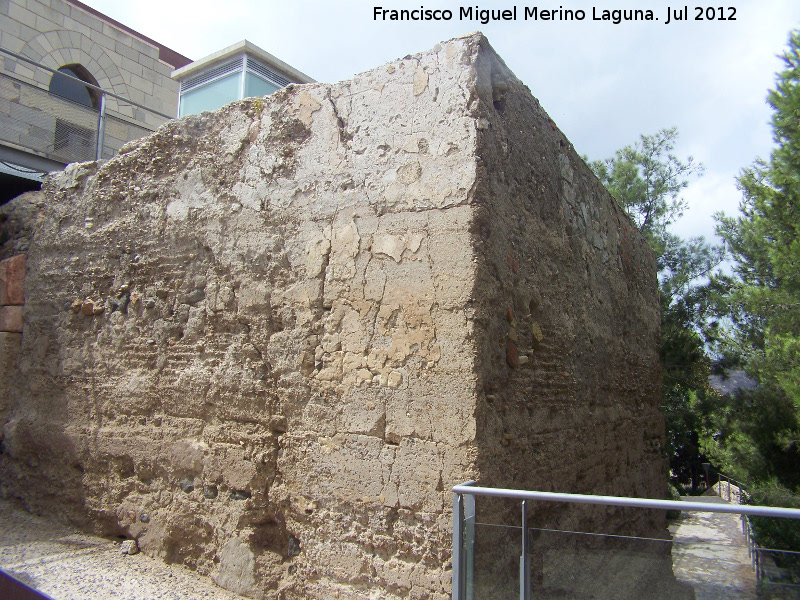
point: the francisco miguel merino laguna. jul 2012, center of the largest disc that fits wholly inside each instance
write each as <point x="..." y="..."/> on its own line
<point x="533" y="13"/>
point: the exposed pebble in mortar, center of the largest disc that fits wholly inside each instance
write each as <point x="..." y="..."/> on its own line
<point x="294" y="546"/>
<point x="512" y="354"/>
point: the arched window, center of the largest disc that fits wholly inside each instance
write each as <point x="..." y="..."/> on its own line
<point x="72" y="90"/>
<point x="75" y="134"/>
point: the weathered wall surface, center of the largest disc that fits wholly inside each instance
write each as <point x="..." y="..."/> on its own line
<point x="566" y="319"/>
<point x="567" y="309"/>
<point x="267" y="341"/>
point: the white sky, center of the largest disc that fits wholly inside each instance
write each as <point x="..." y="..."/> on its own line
<point x="603" y="84"/>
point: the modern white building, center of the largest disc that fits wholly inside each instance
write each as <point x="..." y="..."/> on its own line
<point x="239" y="71"/>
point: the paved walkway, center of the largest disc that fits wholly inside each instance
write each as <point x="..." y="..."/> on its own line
<point x="709" y="552"/>
<point x="68" y="565"/>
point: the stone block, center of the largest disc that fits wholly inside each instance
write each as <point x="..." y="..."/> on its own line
<point x="126" y="51"/>
<point x="73" y="53"/>
<point x="63" y="36"/>
<point x="21" y="14"/>
<point x="26" y="32"/>
<point x="78" y="27"/>
<point x="12" y="280"/>
<point x="116" y="34"/>
<point x="37" y="48"/>
<point x="140" y="83"/>
<point x="11" y="318"/>
<point x="9" y="25"/>
<point x="144" y="48"/>
<point x="9" y="348"/>
<point x="52" y="40"/>
<point x="103" y="41"/>
<point x="15" y="44"/>
<point x="129" y="67"/>
<point x="9" y="351"/>
<point x="83" y="17"/>
<point x="61" y="7"/>
<point x="148" y="66"/>
<point x="45" y="11"/>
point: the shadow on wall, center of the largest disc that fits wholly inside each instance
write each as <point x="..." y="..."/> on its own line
<point x="34" y="445"/>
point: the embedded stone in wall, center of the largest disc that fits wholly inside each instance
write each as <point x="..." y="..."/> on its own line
<point x="11" y="318"/>
<point x="12" y="281"/>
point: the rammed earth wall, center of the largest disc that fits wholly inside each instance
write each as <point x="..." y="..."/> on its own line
<point x="266" y="341"/>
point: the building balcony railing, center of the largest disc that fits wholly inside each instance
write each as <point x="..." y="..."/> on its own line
<point x="543" y="545"/>
<point x="41" y="130"/>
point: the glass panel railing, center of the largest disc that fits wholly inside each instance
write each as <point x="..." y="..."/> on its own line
<point x="120" y="131"/>
<point x="573" y="564"/>
<point x="497" y="553"/>
<point x="778" y="573"/>
<point x="614" y="548"/>
<point x="46" y="124"/>
<point x="777" y="564"/>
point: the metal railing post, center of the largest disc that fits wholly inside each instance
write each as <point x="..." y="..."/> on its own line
<point x="101" y="128"/>
<point x="759" y="565"/>
<point x="458" y="547"/>
<point x="469" y="546"/>
<point x="524" y="560"/>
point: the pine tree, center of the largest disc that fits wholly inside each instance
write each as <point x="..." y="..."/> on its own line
<point x="758" y="433"/>
<point x="765" y="243"/>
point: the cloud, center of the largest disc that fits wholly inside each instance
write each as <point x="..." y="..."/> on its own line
<point x="712" y="193"/>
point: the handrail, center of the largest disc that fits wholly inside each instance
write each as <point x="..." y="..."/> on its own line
<point x="759" y="511"/>
<point x="464" y="525"/>
<point x="70" y="141"/>
<point x="85" y="83"/>
<point x="740" y="486"/>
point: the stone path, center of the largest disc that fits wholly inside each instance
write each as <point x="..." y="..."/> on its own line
<point x="709" y="552"/>
<point x="68" y="565"/>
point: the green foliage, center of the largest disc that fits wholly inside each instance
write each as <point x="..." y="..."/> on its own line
<point x="763" y="302"/>
<point x="647" y="179"/>
<point x="747" y="436"/>
<point x="674" y="494"/>
<point x="772" y="533"/>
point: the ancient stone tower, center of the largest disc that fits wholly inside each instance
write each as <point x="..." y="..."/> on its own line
<point x="266" y="341"/>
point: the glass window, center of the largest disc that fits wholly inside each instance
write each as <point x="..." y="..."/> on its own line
<point x="211" y="96"/>
<point x="256" y="86"/>
<point x="71" y="89"/>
